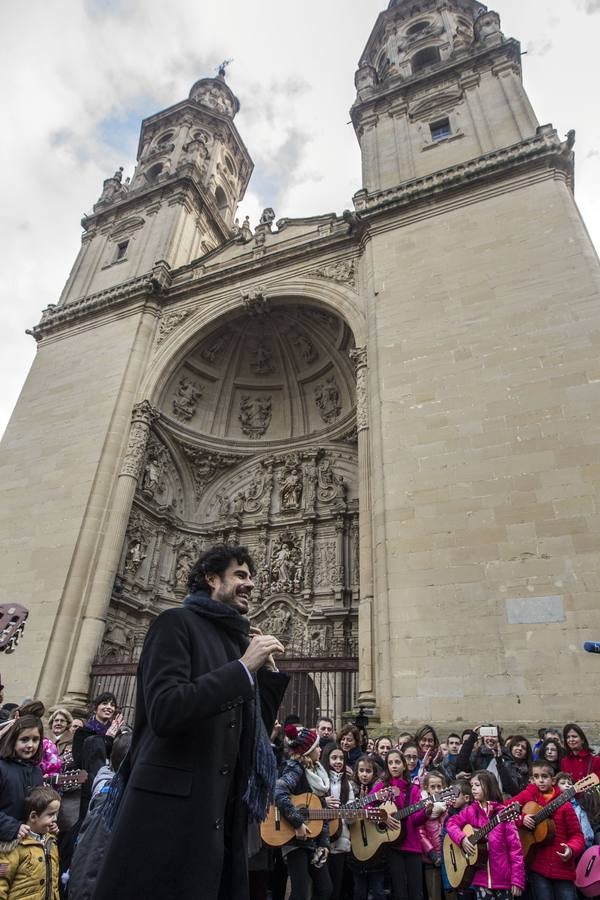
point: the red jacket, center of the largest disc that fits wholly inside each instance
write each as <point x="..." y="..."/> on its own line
<point x="581" y="764"/>
<point x="505" y="867"/>
<point x="546" y="860"/>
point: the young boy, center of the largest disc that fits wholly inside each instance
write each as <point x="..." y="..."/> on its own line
<point x="564" y="781"/>
<point x="462" y="799"/>
<point x="552" y="866"/>
<point x="29" y="868"/>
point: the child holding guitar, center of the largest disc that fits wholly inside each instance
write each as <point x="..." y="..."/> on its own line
<point x="341" y="793"/>
<point x="303" y="774"/>
<point x="503" y="877"/>
<point x="368" y="877"/>
<point x="404" y="859"/>
<point x="552" y="865"/>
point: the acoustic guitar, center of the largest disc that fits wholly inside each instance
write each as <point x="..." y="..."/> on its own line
<point x="587" y="880"/>
<point x="368" y="837"/>
<point x="12" y="624"/>
<point x="542" y="815"/>
<point x="69" y="780"/>
<point x="460" y="866"/>
<point x="378" y="797"/>
<point x="276" y="830"/>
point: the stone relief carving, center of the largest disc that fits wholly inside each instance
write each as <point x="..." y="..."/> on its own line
<point x="141" y="419"/>
<point x="328" y="399"/>
<point x="136" y="554"/>
<point x="169" y="323"/>
<point x="306" y="349"/>
<point x="325" y="564"/>
<point x="343" y="272"/>
<point x="185" y="401"/>
<point x="359" y="358"/>
<point x="206" y="465"/>
<point x="487" y="26"/>
<point x="152" y="481"/>
<point x="214" y="99"/>
<point x="255" y="415"/>
<point x="215" y="347"/>
<point x="267" y="217"/>
<point x="255" y="301"/>
<point x="292" y="483"/>
<point x="262" y="362"/>
<point x="330" y="485"/>
<point x="255" y="492"/>
<point x="287" y="570"/>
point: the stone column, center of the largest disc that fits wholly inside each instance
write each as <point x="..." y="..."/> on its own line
<point x="94" y="620"/>
<point x="366" y="676"/>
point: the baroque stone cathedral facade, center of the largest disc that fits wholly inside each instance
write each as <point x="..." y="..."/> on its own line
<point x="392" y="408"/>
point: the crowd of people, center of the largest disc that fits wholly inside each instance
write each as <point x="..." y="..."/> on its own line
<point x="464" y="781"/>
<point x="55" y="780"/>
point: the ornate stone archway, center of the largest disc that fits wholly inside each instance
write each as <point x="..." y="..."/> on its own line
<point x="254" y="442"/>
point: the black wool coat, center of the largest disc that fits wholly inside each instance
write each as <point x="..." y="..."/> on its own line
<point x="183" y="800"/>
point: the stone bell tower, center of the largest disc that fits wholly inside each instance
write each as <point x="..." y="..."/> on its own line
<point x="192" y="171"/>
<point x="72" y="448"/>
<point x="438" y="84"/>
<point x="482" y="301"/>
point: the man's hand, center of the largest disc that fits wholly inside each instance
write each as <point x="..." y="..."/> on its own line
<point x="260" y="650"/>
<point x="529" y="822"/>
<point x="303" y="833"/>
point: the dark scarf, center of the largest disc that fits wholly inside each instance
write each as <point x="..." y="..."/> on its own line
<point x="95" y="726"/>
<point x="256" y="754"/>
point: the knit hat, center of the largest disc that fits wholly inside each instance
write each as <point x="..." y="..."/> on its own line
<point x="301" y="740"/>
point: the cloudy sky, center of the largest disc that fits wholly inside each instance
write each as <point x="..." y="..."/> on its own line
<point x="79" y="75"/>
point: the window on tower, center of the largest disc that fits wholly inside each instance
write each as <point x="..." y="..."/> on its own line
<point x="440" y="129"/>
<point x="121" y="250"/>
<point x="417" y="28"/>
<point x="425" y="58"/>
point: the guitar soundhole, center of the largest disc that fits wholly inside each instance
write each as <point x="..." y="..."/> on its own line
<point x="381" y="828"/>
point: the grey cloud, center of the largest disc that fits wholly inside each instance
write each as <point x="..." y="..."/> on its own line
<point x="275" y="173"/>
<point x="592" y="6"/>
<point x="540" y="48"/>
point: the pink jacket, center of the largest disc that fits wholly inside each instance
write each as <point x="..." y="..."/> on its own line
<point x="51" y="763"/>
<point x="410" y="842"/>
<point x="506" y="866"/>
<point x="430" y="833"/>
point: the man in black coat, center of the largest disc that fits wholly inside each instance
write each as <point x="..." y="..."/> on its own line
<point x="201" y="766"/>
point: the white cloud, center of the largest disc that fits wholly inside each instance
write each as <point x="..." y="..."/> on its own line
<point x="78" y="77"/>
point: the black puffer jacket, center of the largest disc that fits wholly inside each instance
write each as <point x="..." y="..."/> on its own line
<point x="17" y="778"/>
<point x="293" y="781"/>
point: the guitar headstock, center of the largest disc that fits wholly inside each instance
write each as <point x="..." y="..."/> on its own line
<point x="72" y="779"/>
<point x="584" y="784"/>
<point x="445" y="796"/>
<point x="509" y="813"/>
<point x="12" y="624"/>
<point x="386" y="794"/>
<point x="377" y="815"/>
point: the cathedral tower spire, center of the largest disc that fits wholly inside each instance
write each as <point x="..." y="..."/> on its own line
<point x="438" y="84"/>
<point x="192" y="170"/>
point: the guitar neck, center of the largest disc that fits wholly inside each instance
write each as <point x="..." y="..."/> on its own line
<point x="407" y="811"/>
<point x="328" y="814"/>
<point x="483" y="832"/>
<point x="555" y="804"/>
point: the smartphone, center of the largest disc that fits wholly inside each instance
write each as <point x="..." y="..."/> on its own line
<point x="488" y="731"/>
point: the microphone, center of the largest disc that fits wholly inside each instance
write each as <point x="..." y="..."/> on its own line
<point x="592" y="646"/>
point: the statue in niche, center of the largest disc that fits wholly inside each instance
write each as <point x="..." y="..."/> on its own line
<point x="328" y="399"/>
<point x="186" y="399"/>
<point x="291" y="488"/>
<point x="286" y="566"/>
<point x="136" y="554"/>
<point x="151" y="483"/>
<point x="260" y="561"/>
<point x="277" y="621"/>
<point x="263" y="360"/>
<point x="255" y="415"/>
<point x="305" y="349"/>
<point x="186" y="557"/>
<point x="237" y="504"/>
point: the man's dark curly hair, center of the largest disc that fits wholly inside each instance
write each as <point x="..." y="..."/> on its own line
<point x="214" y="561"/>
